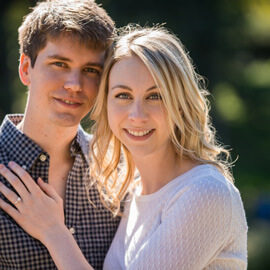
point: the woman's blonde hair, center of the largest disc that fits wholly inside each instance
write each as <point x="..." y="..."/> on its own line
<point x="184" y="97"/>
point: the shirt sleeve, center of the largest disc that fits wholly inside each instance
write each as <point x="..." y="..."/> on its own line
<point x="194" y="228"/>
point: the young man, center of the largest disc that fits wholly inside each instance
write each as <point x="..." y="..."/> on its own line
<point x="63" y="45"/>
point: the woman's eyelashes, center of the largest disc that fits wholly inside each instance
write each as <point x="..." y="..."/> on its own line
<point x="155" y="96"/>
<point x="152" y="96"/>
<point x="123" y="96"/>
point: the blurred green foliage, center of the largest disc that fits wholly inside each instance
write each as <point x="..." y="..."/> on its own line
<point x="229" y="41"/>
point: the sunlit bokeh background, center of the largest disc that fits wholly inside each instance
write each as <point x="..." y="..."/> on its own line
<point x="229" y="41"/>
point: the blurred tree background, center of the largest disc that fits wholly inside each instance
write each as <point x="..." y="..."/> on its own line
<point x="229" y="41"/>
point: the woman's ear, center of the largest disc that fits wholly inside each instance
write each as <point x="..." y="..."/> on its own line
<point x="25" y="65"/>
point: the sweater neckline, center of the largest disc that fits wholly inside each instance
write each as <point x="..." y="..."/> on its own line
<point x="176" y="181"/>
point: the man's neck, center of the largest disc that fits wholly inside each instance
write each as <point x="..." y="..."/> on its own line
<point x="55" y="140"/>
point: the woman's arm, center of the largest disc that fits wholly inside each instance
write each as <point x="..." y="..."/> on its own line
<point x="39" y="211"/>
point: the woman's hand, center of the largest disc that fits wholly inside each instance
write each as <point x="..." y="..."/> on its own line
<point x="38" y="209"/>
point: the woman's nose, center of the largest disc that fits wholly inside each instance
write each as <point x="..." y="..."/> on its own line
<point x="138" y="112"/>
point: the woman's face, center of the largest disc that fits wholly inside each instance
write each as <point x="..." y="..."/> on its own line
<point x="136" y="113"/>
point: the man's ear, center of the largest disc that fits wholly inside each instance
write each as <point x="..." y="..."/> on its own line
<point x="25" y="65"/>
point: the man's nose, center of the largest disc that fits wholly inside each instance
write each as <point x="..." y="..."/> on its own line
<point x="74" y="81"/>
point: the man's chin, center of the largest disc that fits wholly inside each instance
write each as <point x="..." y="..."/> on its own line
<point x="66" y="120"/>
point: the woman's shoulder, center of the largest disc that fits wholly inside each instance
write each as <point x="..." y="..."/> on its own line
<point x="202" y="185"/>
<point x="207" y="178"/>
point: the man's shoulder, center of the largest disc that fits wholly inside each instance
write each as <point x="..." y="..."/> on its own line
<point x="87" y="136"/>
<point x="9" y="123"/>
<point x="3" y="155"/>
<point x="84" y="138"/>
<point x="7" y="132"/>
<point x="12" y="119"/>
<point x="4" y="130"/>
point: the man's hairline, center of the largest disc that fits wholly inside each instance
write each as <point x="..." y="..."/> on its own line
<point x="51" y="38"/>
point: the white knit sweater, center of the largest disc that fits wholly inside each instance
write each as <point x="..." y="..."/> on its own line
<point x="195" y="222"/>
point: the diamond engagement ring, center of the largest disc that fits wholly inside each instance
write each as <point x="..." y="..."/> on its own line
<point x="18" y="200"/>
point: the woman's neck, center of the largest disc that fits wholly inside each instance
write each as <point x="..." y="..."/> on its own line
<point x="159" y="169"/>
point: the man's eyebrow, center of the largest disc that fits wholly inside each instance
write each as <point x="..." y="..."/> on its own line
<point x="62" y="58"/>
<point x="128" y="88"/>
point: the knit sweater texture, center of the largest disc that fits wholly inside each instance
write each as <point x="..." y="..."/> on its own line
<point x="196" y="221"/>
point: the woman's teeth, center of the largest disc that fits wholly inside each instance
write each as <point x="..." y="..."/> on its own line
<point x="139" y="133"/>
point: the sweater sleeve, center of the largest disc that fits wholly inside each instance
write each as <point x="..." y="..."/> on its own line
<point x="195" y="226"/>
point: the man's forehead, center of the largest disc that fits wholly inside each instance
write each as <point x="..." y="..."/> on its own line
<point x="64" y="46"/>
<point x="77" y="38"/>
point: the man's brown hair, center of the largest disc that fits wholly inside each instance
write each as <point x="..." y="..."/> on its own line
<point x="83" y="20"/>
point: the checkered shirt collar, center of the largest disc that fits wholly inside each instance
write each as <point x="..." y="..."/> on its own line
<point x="20" y="147"/>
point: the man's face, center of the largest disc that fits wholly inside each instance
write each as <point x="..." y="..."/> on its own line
<point x="63" y="83"/>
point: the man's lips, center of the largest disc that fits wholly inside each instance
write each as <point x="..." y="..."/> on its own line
<point x="69" y="102"/>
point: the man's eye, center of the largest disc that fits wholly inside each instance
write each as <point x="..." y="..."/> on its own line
<point x="92" y="70"/>
<point x="123" y="96"/>
<point x="59" y="64"/>
<point x="155" y="96"/>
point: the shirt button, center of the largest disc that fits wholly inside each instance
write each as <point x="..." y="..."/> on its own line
<point x="42" y="158"/>
<point x="72" y="230"/>
<point x="24" y="167"/>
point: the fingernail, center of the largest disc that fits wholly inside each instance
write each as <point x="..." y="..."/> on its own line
<point x="11" y="164"/>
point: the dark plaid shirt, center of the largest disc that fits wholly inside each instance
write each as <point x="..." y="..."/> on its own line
<point x="92" y="226"/>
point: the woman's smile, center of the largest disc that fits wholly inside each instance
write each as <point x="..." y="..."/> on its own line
<point x="139" y="135"/>
<point x="136" y="113"/>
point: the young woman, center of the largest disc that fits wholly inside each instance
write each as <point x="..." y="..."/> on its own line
<point x="183" y="210"/>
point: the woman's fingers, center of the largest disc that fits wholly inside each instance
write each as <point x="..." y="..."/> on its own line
<point x="10" y="195"/>
<point x="10" y="210"/>
<point x="24" y="176"/>
<point x="14" y="181"/>
<point x="25" y="185"/>
<point x="39" y="207"/>
<point x="28" y="192"/>
<point x="49" y="190"/>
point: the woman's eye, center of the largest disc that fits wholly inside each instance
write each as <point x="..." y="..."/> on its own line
<point x="155" y="96"/>
<point x="123" y="96"/>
